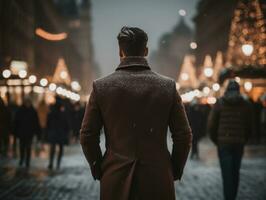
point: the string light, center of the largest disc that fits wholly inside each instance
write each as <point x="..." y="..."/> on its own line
<point x="49" y="36"/>
<point x="6" y="73"/>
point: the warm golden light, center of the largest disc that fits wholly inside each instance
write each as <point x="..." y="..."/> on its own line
<point x="63" y="75"/>
<point x="32" y="79"/>
<point x="208" y="72"/>
<point x="193" y="45"/>
<point x="247" y="49"/>
<point x="75" y="86"/>
<point x="248" y="86"/>
<point x="49" y="36"/>
<point x="52" y="87"/>
<point x="6" y="73"/>
<point x="43" y="82"/>
<point x="22" y="73"/>
<point x="184" y="76"/>
<point x="216" y="87"/>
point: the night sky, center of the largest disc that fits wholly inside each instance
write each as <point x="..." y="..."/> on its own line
<point x="154" y="16"/>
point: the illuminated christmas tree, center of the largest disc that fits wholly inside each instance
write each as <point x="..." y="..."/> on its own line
<point x="61" y="74"/>
<point x="206" y="70"/>
<point x="187" y="76"/>
<point x="247" y="40"/>
<point x="218" y="65"/>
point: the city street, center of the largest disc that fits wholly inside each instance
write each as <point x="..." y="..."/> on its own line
<point x="201" y="179"/>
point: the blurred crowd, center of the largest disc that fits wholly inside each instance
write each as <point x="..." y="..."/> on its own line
<point x="27" y="128"/>
<point x="198" y="114"/>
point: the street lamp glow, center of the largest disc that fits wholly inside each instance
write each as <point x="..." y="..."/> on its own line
<point x="177" y="86"/>
<point x="211" y="100"/>
<point x="208" y="72"/>
<point x="247" y="49"/>
<point x="75" y="86"/>
<point x="248" y="86"/>
<point x="193" y="45"/>
<point x="182" y="12"/>
<point x="6" y="73"/>
<point x="216" y="87"/>
<point x="32" y="79"/>
<point x="63" y="74"/>
<point x="43" y="82"/>
<point x="59" y="90"/>
<point x="22" y="73"/>
<point x="206" y="90"/>
<point x="184" y="76"/>
<point x="237" y="79"/>
<point x="52" y="87"/>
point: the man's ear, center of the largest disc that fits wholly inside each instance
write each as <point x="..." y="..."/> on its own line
<point x="146" y="51"/>
<point x="121" y="53"/>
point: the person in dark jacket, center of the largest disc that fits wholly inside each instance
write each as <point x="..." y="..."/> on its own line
<point x="135" y="106"/>
<point x="26" y="126"/>
<point x="197" y="123"/>
<point x="229" y="126"/>
<point x="77" y="116"/>
<point x="5" y="128"/>
<point x="57" y="130"/>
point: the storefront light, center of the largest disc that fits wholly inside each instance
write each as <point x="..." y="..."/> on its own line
<point x="22" y="73"/>
<point x="75" y="86"/>
<point x="248" y="86"/>
<point x="184" y="76"/>
<point x="208" y="72"/>
<point x="206" y="90"/>
<point x="6" y="73"/>
<point x="32" y="79"/>
<point x="247" y="49"/>
<point x="43" y="82"/>
<point x="63" y="74"/>
<point x="52" y="87"/>
<point x="216" y="87"/>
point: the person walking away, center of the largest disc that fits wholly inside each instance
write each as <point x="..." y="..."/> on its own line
<point x="196" y="120"/>
<point x="229" y="126"/>
<point x="5" y="128"/>
<point x="26" y="127"/>
<point x="42" y="110"/>
<point x="58" y="131"/>
<point x="263" y="119"/>
<point x="135" y="106"/>
<point x="78" y="114"/>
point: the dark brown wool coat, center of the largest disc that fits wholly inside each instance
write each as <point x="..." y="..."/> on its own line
<point x="135" y="106"/>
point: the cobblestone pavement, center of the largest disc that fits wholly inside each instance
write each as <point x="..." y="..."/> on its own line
<point x="201" y="180"/>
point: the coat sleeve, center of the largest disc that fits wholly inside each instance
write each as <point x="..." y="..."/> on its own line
<point x="213" y="123"/>
<point x="90" y="135"/>
<point x="181" y="136"/>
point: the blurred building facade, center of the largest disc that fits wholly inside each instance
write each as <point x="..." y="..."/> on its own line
<point x="17" y="31"/>
<point x="212" y="26"/>
<point x="19" y="21"/>
<point x="172" y="48"/>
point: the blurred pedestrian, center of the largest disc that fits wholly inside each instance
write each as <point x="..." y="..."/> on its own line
<point x="263" y="118"/>
<point x="78" y="113"/>
<point x="26" y="127"/>
<point x="230" y="125"/>
<point x="42" y="110"/>
<point x="5" y="128"/>
<point x="58" y="131"/>
<point x="13" y="108"/>
<point x="197" y="123"/>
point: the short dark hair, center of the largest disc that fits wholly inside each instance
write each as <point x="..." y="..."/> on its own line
<point x="132" y="41"/>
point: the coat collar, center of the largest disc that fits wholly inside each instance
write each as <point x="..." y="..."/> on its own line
<point x="133" y="61"/>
